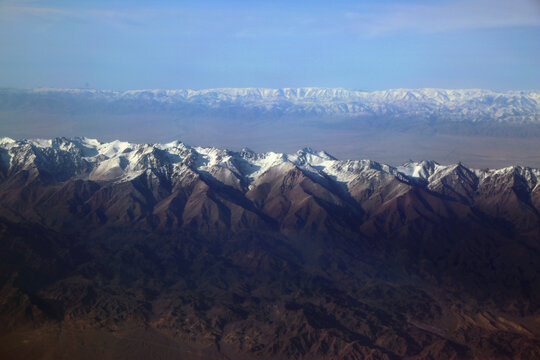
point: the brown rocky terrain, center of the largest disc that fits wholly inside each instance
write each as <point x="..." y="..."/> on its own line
<point x="121" y="250"/>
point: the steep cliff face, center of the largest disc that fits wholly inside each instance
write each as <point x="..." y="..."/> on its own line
<point x="147" y="250"/>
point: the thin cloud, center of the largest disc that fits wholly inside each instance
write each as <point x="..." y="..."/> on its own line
<point x="15" y="12"/>
<point x="372" y="19"/>
<point x="447" y="16"/>
<point x="116" y="17"/>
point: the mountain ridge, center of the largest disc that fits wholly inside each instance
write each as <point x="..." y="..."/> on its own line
<point x="515" y="106"/>
<point x="170" y="250"/>
<point x="243" y="177"/>
<point x="95" y="153"/>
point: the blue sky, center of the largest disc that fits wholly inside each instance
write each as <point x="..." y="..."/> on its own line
<point x="366" y="45"/>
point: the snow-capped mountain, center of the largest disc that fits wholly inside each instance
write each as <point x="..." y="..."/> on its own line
<point x="120" y="161"/>
<point x="176" y="165"/>
<point x="421" y="104"/>
<point x="450" y="125"/>
<point x="216" y="251"/>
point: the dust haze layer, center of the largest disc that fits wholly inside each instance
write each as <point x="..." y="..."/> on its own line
<point x="481" y="128"/>
<point x="118" y="249"/>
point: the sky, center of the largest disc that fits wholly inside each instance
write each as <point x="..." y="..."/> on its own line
<point x="365" y="45"/>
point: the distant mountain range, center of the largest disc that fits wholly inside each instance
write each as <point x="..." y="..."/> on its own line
<point x="481" y="128"/>
<point x="426" y="104"/>
<point x="168" y="250"/>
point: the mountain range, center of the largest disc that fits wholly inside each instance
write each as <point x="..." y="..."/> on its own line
<point x="481" y="128"/>
<point x="427" y="104"/>
<point x="116" y="249"/>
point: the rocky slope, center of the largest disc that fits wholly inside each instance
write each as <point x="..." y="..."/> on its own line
<point x="166" y="250"/>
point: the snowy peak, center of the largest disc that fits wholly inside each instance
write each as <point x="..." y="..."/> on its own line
<point x="61" y="159"/>
<point x="420" y="170"/>
<point x="283" y="186"/>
